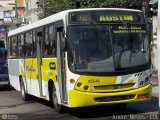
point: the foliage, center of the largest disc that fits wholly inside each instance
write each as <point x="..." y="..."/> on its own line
<point x="54" y="6"/>
<point x="103" y="3"/>
<point x="153" y="9"/>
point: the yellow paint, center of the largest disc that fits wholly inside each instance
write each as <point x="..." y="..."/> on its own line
<point x="48" y="73"/>
<point x="22" y="72"/>
<point x="100" y="84"/>
<point x="81" y="99"/>
<point x="92" y="81"/>
<point x="31" y="68"/>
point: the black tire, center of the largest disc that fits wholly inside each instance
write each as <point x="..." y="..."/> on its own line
<point x="9" y="87"/>
<point x="24" y="95"/>
<point x="59" y="108"/>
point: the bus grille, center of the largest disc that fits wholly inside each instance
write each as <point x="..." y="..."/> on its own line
<point x="114" y="86"/>
<point x="114" y="98"/>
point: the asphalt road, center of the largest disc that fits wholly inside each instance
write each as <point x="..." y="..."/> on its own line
<point x="12" y="107"/>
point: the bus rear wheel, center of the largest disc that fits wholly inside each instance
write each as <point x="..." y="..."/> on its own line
<point x="25" y="96"/>
<point x="59" y="108"/>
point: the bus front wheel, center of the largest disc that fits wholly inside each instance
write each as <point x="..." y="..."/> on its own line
<point x="25" y="96"/>
<point x="59" y="108"/>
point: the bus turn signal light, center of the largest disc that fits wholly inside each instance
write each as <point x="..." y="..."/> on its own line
<point x="79" y="84"/>
<point x="72" y="81"/>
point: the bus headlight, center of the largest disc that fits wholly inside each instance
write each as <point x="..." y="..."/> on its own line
<point x="141" y="83"/>
<point x="79" y="84"/>
<point x="144" y="82"/>
<point x="86" y="87"/>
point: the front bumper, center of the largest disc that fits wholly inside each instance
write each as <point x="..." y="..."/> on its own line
<point x="4" y="79"/>
<point x="4" y="83"/>
<point x="81" y="99"/>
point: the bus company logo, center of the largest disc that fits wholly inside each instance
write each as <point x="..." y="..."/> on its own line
<point x="4" y="116"/>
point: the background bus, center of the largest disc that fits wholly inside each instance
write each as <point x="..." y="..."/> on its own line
<point x="83" y="57"/>
<point x="4" y="77"/>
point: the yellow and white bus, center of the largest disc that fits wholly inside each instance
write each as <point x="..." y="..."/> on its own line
<point x="82" y="57"/>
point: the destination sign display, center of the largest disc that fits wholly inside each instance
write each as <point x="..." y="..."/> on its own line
<point x="109" y="18"/>
<point x="128" y="29"/>
<point x="105" y="16"/>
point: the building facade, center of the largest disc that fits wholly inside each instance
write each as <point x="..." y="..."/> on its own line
<point x="31" y="13"/>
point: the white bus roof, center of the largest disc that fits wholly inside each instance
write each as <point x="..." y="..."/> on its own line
<point x="57" y="17"/>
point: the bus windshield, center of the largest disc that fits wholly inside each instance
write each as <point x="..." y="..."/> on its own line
<point x="107" y="47"/>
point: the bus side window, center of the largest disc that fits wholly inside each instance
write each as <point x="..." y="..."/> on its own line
<point x="14" y="47"/>
<point x="10" y="47"/>
<point x="50" y="48"/>
<point x="50" y="44"/>
<point x="34" y="44"/>
<point x="28" y="44"/>
<point x="22" y="47"/>
<point x="19" y="46"/>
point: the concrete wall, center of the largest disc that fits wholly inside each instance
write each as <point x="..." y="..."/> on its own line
<point x="154" y="54"/>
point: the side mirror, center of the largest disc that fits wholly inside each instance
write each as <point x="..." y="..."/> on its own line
<point x="63" y="44"/>
<point x="63" y="41"/>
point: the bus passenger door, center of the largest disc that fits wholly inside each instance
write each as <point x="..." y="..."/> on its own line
<point x="61" y="65"/>
<point x="39" y="60"/>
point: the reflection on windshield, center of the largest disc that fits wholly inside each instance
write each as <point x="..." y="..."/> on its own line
<point x="131" y="46"/>
<point x="97" y="48"/>
<point x="90" y="48"/>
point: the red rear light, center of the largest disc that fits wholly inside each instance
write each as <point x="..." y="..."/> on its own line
<point x="142" y="96"/>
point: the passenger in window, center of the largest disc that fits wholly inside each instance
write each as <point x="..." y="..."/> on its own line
<point x="29" y="50"/>
<point x="50" y="49"/>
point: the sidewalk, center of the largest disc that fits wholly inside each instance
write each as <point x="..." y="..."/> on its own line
<point x="154" y="79"/>
<point x="155" y="88"/>
<point x="155" y="91"/>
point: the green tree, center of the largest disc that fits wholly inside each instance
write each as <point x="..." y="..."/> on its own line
<point x="54" y="6"/>
<point x="103" y="3"/>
